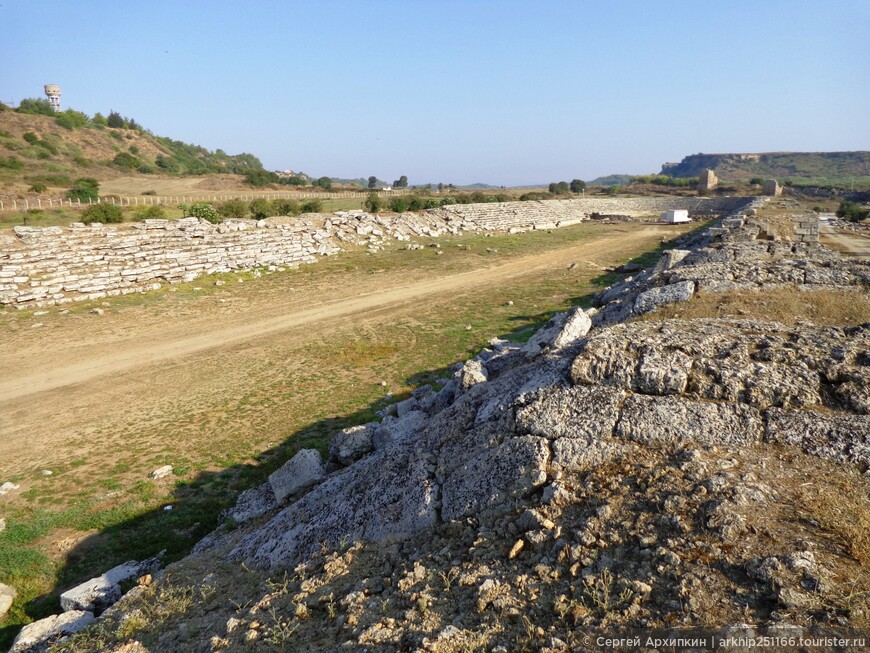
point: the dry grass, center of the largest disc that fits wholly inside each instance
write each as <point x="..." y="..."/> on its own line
<point x="843" y="510"/>
<point x="789" y="306"/>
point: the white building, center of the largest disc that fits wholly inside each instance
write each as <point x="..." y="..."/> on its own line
<point x="678" y="215"/>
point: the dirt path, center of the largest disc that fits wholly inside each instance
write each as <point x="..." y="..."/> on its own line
<point x="121" y="357"/>
<point x="198" y="376"/>
<point x="845" y="242"/>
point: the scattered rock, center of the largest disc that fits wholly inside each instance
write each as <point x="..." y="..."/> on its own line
<point x="7" y="596"/>
<point x="161" y="472"/>
<point x="296" y="475"/>
<point x="50" y="629"/>
<point x="7" y="487"/>
<point x="96" y="311"/>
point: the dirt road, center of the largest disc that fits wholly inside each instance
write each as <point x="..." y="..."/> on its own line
<point x="849" y="243"/>
<point x="166" y="378"/>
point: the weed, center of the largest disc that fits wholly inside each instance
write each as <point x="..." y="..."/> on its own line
<point x="599" y="593"/>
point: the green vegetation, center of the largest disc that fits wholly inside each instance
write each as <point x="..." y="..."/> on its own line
<point x="664" y="180"/>
<point x="203" y="210"/>
<point x="37" y="107"/>
<point x="373" y="203"/>
<point x="105" y="213"/>
<point x="70" y="119"/>
<point x="260" y="208"/>
<point x="852" y="211"/>
<point x="233" y="209"/>
<point x="84" y="189"/>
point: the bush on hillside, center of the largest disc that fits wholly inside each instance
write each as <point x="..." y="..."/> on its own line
<point x="35" y="107"/>
<point x="84" y="189"/>
<point x="105" y="213"/>
<point x="30" y="137"/>
<point x="126" y="161"/>
<point x="233" y="209"/>
<point x="70" y="119"/>
<point x="205" y="211"/>
<point x="38" y="188"/>
<point x="260" y="178"/>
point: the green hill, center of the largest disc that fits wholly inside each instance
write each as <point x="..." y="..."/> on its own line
<point x="40" y="147"/>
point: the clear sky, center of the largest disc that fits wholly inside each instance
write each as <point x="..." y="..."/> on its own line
<point x="457" y="91"/>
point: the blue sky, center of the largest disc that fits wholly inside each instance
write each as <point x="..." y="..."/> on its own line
<point x="457" y="91"/>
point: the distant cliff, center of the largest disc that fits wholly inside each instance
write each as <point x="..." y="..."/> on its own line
<point x="797" y="166"/>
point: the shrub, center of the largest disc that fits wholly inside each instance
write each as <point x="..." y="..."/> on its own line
<point x="35" y="107"/>
<point x="398" y="204"/>
<point x="105" y="213"/>
<point x="38" y="188"/>
<point x="233" y="209"/>
<point x="373" y="203"/>
<point x="11" y="163"/>
<point x="852" y="211"/>
<point x="47" y="146"/>
<point x="149" y="192"/>
<point x="126" y="161"/>
<point x="205" y="211"/>
<point x="285" y="207"/>
<point x="313" y="206"/>
<point x="415" y="203"/>
<point x="30" y="137"/>
<point x="577" y="185"/>
<point x="70" y="119"/>
<point x="115" y="120"/>
<point x="260" y="178"/>
<point x="154" y="212"/>
<point x="324" y="182"/>
<point x="260" y="208"/>
<point x="84" y="189"/>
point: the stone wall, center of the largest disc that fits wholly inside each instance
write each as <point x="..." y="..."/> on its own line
<point x="518" y="216"/>
<point x="54" y="265"/>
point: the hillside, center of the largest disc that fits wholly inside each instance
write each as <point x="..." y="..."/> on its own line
<point x="798" y="167"/>
<point x="44" y="150"/>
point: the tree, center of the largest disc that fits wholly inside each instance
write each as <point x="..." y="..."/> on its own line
<point x="401" y="182"/>
<point x="84" y="189"/>
<point x="558" y="188"/>
<point x="578" y="186"/>
<point x="324" y="182"/>
<point x="373" y="182"/>
<point x="115" y="120"/>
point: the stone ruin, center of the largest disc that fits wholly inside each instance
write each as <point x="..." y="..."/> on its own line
<point x="52" y="265"/>
<point x="771" y="188"/>
<point x="602" y="446"/>
<point x="707" y="180"/>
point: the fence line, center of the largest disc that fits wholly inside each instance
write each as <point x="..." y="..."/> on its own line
<point x="172" y="200"/>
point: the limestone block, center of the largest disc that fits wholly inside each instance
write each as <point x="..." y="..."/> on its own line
<point x="652" y="299"/>
<point x="50" y="628"/>
<point x="352" y="443"/>
<point x="298" y="474"/>
<point x="7" y="596"/>
<point x="676" y="419"/>
<point x="513" y="469"/>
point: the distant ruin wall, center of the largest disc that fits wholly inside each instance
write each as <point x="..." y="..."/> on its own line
<point x="54" y="265"/>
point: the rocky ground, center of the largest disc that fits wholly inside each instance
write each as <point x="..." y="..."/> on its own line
<point x="609" y="474"/>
